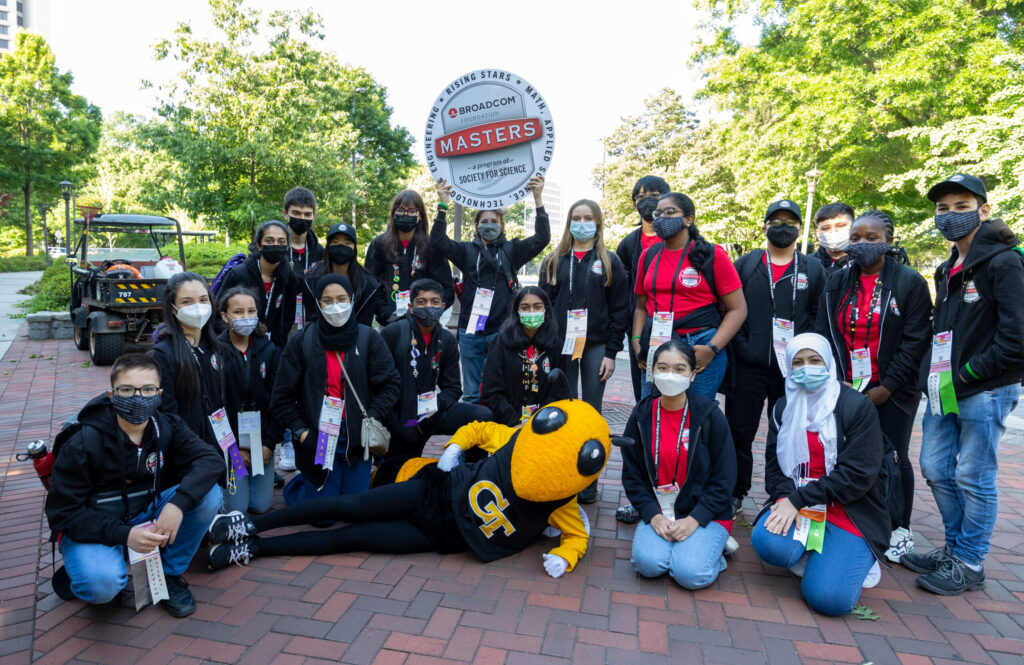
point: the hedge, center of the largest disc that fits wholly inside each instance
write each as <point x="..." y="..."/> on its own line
<point x="24" y="263"/>
<point x="52" y="291"/>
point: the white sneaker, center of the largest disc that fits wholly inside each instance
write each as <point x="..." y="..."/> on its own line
<point x="873" y="577"/>
<point x="798" y="567"/>
<point x="287" y="461"/>
<point x="731" y="546"/>
<point x="900" y="542"/>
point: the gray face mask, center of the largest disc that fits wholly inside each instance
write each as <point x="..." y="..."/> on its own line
<point x="489" y="231"/>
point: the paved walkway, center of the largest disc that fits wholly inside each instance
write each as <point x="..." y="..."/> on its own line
<point x="358" y="608"/>
<point x="10" y="284"/>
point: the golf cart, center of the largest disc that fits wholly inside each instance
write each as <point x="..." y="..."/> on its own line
<point x="117" y="283"/>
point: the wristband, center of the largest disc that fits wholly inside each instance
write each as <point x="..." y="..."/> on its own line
<point x="971" y="371"/>
<point x="441" y="204"/>
<point x="634" y="337"/>
<point x="714" y="348"/>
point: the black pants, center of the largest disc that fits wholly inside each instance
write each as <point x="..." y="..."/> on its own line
<point x="409" y="441"/>
<point x="754" y="385"/>
<point x="635" y="373"/>
<point x="897" y="426"/>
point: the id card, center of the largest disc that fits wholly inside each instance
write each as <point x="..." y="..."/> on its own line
<point x="402" y="303"/>
<point x="782" y="335"/>
<point x="250" y="437"/>
<point x="331" y="414"/>
<point x="667" y="499"/>
<point x="814" y="513"/>
<point x="941" y="392"/>
<point x="149" y="583"/>
<point x="575" y="333"/>
<point x="528" y="411"/>
<point x="481" y="309"/>
<point x="661" y="328"/>
<point x="222" y="429"/>
<point x="300" y="314"/>
<point x="860" y="365"/>
<point x="426" y="404"/>
<point x="135" y="557"/>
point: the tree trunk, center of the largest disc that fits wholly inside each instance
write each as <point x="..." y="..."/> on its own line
<point x="27" y="189"/>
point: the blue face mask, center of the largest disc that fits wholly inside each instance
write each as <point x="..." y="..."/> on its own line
<point x="583" y="231"/>
<point x="810" y="377"/>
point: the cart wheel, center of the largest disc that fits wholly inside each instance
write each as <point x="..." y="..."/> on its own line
<point x="81" y="338"/>
<point x="105" y="349"/>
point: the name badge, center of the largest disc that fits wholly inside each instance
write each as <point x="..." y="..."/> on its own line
<point x="300" y="314"/>
<point x="810" y="524"/>
<point x="782" y="335"/>
<point x="661" y="328"/>
<point x="332" y="412"/>
<point x="667" y="499"/>
<point x="426" y="404"/>
<point x="480" y="311"/>
<point x="250" y="437"/>
<point x="941" y="392"/>
<point x="147" y="575"/>
<point x="860" y="366"/>
<point x="226" y="440"/>
<point x="575" y="333"/>
<point x="528" y="411"/>
<point x="402" y="302"/>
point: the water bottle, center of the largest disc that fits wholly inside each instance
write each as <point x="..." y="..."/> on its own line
<point x="42" y="460"/>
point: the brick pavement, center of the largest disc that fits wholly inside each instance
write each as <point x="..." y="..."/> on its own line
<point x="428" y="608"/>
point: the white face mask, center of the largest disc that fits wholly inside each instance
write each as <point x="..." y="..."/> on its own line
<point x="195" y="315"/>
<point x="337" y="314"/>
<point x="671" y="384"/>
<point x="834" y="240"/>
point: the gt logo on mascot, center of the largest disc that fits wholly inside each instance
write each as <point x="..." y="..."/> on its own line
<point x="491" y="514"/>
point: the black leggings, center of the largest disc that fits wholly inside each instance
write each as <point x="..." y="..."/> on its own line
<point x="379" y="522"/>
<point x="898" y="427"/>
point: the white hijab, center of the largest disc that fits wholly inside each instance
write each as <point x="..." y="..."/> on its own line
<point x="806" y="411"/>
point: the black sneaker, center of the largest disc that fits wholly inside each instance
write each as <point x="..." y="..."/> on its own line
<point x="627" y="514"/>
<point x="278" y="480"/>
<point x="231" y="527"/>
<point x="240" y="553"/>
<point x="952" y="578"/>
<point x="62" y="584"/>
<point x="588" y="495"/>
<point x="927" y="562"/>
<point x="737" y="506"/>
<point x="181" y="602"/>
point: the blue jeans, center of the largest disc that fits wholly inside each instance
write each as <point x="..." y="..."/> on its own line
<point x="958" y="459"/>
<point x="707" y="382"/>
<point x="98" y="572"/>
<point x="473" y="350"/>
<point x="833" y="577"/>
<point x="694" y="563"/>
<point x="253" y="493"/>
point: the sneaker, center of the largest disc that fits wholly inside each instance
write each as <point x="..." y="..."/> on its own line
<point x="731" y="546"/>
<point x="952" y="578"/>
<point x="181" y="602"/>
<point x="627" y="514"/>
<point x="901" y="543"/>
<point x="873" y="577"/>
<point x="737" y="506"/>
<point x="287" y="461"/>
<point x="240" y="553"/>
<point x="233" y="526"/>
<point x="588" y="495"/>
<point x="798" y="567"/>
<point x="278" y="480"/>
<point x="62" y="584"/>
<point x="927" y="562"/>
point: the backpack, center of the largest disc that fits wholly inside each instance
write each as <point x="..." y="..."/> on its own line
<point x="232" y="262"/>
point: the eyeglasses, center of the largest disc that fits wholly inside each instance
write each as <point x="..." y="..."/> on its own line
<point x="407" y="211"/>
<point x="327" y="302"/>
<point x="130" y="391"/>
<point x="668" y="212"/>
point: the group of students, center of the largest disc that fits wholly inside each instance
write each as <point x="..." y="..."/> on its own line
<point x="837" y="344"/>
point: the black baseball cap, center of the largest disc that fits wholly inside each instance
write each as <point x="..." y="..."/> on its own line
<point x="958" y="183"/>
<point x="783" y="204"/>
<point x="342" y="227"/>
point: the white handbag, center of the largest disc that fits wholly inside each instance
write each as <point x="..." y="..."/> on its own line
<point x="375" y="437"/>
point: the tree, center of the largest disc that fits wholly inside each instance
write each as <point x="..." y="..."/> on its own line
<point x="45" y="129"/>
<point x="261" y="110"/>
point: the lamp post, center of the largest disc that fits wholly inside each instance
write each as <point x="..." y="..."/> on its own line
<point x="65" y="191"/>
<point x="43" y="209"/>
<point x="813" y="177"/>
<point x="353" y="119"/>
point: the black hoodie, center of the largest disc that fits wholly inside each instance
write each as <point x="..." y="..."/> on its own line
<point x="276" y="308"/>
<point x="248" y="382"/>
<point x="300" y="263"/>
<point x="369" y="302"/>
<point x="502" y="389"/>
<point x="445" y="379"/>
<point x="435" y="268"/>
<point x="828" y="263"/>
<point x="88" y="464"/>
<point x="196" y="409"/>
<point x="706" y="493"/>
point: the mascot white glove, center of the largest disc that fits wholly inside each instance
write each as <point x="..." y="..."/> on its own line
<point x="555" y="565"/>
<point x="449" y="458"/>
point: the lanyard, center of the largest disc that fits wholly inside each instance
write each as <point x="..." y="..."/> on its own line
<point x="530" y="358"/>
<point x="414" y="353"/>
<point x="270" y="299"/>
<point x="876" y="295"/>
<point x="771" y="280"/>
<point x="654" y="284"/>
<point x="679" y="441"/>
<point x="412" y="269"/>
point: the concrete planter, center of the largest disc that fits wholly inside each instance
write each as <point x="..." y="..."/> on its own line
<point x="50" y="325"/>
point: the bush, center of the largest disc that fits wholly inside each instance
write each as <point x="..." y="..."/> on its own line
<point x="52" y="291"/>
<point x="206" y="259"/>
<point x="22" y="263"/>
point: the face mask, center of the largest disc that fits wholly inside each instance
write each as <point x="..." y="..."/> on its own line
<point x="406" y="223"/>
<point x="195" y="315"/>
<point x="244" y="327"/>
<point x="274" y="254"/>
<point x="865" y="254"/>
<point x="810" y="377"/>
<point x="667" y="227"/>
<point x="136" y="409"/>
<point x="428" y="316"/>
<point x="341" y="254"/>
<point x="299" y="225"/>
<point x="646" y="208"/>
<point x="337" y="314"/>
<point x="671" y="384"/>
<point x="783" y="235"/>
<point x="490" y="231"/>
<point x="834" y="241"/>
<point x="583" y="231"/>
<point x="531" y="320"/>
<point x="956" y="225"/>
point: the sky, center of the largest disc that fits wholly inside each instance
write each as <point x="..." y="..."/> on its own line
<point x="594" y="62"/>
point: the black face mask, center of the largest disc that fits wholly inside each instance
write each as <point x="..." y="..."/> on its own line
<point x="406" y="223"/>
<point x="428" y="316"/>
<point x="299" y="225"/>
<point x="782" y="236"/>
<point x="646" y="208"/>
<point x="341" y="254"/>
<point x="274" y="254"/>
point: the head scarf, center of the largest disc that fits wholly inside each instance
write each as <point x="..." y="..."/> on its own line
<point x="336" y="339"/>
<point x="806" y="411"/>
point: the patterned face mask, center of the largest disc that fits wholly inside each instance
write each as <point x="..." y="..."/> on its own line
<point x="136" y="409"/>
<point x="956" y="225"/>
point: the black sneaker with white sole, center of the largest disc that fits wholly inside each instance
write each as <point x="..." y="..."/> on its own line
<point x="181" y="602"/>
<point x="240" y="553"/>
<point x="952" y="578"/>
<point x="926" y="562"/>
<point x="62" y="584"/>
<point x="230" y="527"/>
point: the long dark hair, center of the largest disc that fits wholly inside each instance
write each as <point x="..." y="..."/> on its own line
<point x="224" y="300"/>
<point x="701" y="250"/>
<point x="420" y="237"/>
<point x="186" y="377"/>
<point x="512" y="329"/>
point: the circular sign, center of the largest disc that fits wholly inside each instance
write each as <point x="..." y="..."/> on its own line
<point x="488" y="133"/>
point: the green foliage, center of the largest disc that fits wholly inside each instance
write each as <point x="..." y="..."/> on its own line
<point x="260" y="110"/>
<point x="45" y="129"/>
<point x="22" y="263"/>
<point x="864" y="612"/>
<point x="12" y="240"/>
<point x="52" y="291"/>
<point x="206" y="259"/>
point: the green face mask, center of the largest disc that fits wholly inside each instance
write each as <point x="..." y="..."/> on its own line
<point x="531" y="320"/>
